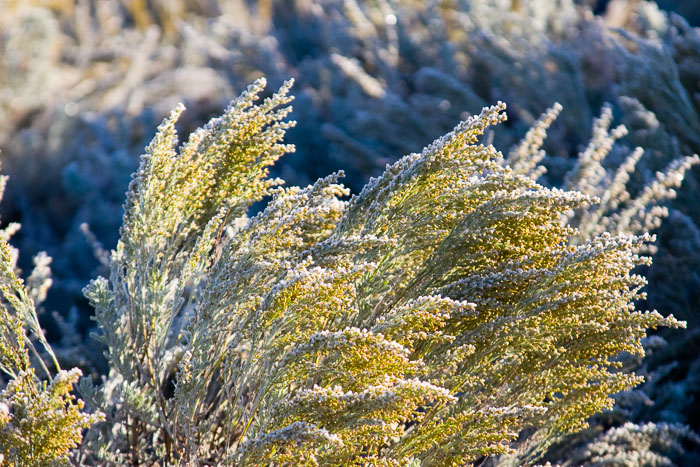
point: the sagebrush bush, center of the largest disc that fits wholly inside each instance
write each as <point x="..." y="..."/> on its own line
<point x="40" y="420"/>
<point x="439" y="316"/>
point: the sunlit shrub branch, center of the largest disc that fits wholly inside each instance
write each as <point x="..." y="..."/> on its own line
<point x="41" y="421"/>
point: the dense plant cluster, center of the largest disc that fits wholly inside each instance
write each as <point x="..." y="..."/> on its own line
<point x="436" y="317"/>
<point x="40" y="419"/>
<point x="84" y="84"/>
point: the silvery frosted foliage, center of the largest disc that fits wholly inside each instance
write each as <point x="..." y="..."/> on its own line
<point x="633" y="445"/>
<point x="625" y="206"/>
<point x="40" y="420"/>
<point x="430" y="319"/>
<point x="618" y="210"/>
<point x="220" y="173"/>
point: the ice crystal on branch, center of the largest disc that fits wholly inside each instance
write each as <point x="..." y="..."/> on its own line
<point x="433" y="318"/>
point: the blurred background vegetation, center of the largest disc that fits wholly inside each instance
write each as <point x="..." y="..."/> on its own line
<point x="83" y="85"/>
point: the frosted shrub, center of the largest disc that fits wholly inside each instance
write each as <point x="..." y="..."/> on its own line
<point x="40" y="421"/>
<point x="617" y="210"/>
<point x="631" y="445"/>
<point x="439" y="316"/>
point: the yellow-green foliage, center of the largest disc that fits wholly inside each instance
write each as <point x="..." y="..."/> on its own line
<point x="433" y="318"/>
<point x="40" y="422"/>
